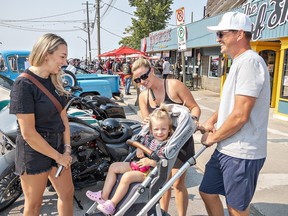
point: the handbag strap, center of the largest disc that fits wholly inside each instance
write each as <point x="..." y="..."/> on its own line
<point x="44" y="90"/>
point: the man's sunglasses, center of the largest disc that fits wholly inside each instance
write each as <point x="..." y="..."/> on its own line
<point x="220" y="34"/>
<point x="142" y="77"/>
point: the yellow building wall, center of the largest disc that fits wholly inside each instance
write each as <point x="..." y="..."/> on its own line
<point x="259" y="46"/>
<point x="284" y="45"/>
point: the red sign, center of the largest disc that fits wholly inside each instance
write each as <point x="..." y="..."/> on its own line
<point x="180" y="16"/>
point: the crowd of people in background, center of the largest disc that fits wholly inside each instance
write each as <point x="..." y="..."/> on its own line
<point x="121" y="67"/>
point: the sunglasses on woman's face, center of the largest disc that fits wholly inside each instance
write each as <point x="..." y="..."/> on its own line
<point x="142" y="77"/>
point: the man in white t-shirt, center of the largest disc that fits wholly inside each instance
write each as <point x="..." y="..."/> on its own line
<point x="166" y="68"/>
<point x="71" y="66"/>
<point x="242" y="120"/>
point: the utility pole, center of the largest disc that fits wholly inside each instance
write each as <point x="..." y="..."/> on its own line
<point x="88" y="31"/>
<point x="86" y="53"/>
<point x="98" y="26"/>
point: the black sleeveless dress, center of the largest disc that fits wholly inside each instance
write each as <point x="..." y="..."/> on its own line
<point x="188" y="149"/>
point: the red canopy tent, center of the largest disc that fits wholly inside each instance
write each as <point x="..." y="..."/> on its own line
<point x="121" y="51"/>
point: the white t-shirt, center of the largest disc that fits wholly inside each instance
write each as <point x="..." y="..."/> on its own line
<point x="166" y="67"/>
<point x="248" y="76"/>
<point x="71" y="68"/>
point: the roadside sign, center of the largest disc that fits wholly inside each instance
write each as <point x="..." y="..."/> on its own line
<point x="181" y="34"/>
<point x="180" y="16"/>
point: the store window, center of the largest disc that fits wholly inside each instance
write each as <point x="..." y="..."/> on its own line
<point x="213" y="66"/>
<point x="225" y="65"/>
<point x="284" y="88"/>
<point x="2" y="64"/>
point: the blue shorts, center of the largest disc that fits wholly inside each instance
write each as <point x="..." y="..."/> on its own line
<point x="234" y="178"/>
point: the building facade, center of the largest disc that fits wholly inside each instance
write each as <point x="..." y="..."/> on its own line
<point x="204" y="61"/>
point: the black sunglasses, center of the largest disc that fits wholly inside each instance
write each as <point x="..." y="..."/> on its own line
<point x="220" y="34"/>
<point x="142" y="77"/>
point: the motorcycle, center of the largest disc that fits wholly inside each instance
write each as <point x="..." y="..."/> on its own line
<point x="101" y="107"/>
<point x="94" y="148"/>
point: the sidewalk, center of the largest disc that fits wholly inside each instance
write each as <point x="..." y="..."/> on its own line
<point x="271" y="197"/>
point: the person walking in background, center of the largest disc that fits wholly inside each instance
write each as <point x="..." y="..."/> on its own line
<point x="42" y="130"/>
<point x="242" y="120"/>
<point x="160" y="130"/>
<point x="168" y="91"/>
<point x="71" y="66"/>
<point x="108" y="64"/>
<point x="127" y="72"/>
<point x="166" y="68"/>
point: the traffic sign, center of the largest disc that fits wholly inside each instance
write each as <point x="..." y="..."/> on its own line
<point x="180" y="16"/>
<point x="181" y="34"/>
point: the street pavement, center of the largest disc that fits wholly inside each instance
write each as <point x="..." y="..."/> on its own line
<point x="270" y="199"/>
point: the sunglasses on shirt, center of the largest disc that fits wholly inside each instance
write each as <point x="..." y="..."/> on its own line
<point x="220" y="34"/>
<point x="142" y="77"/>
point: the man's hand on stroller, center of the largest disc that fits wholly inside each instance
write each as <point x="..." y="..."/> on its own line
<point x="206" y="139"/>
<point x="200" y="128"/>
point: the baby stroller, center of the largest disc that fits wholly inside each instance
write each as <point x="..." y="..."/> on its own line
<point x="155" y="181"/>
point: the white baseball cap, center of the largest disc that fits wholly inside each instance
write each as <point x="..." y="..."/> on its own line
<point x="233" y="21"/>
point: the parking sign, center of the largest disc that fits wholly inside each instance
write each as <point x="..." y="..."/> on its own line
<point x="181" y="34"/>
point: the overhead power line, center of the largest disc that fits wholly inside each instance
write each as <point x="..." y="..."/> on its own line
<point x="56" y="15"/>
<point x="111" y="32"/>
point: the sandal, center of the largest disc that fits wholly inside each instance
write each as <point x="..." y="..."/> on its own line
<point x="95" y="196"/>
<point x="108" y="207"/>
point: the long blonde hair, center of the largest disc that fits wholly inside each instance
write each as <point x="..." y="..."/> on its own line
<point x="47" y="44"/>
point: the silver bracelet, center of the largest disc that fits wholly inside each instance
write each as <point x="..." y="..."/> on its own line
<point x="195" y="118"/>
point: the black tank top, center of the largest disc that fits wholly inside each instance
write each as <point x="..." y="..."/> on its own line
<point x="167" y="99"/>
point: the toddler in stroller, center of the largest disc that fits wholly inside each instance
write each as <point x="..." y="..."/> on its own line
<point x="156" y="178"/>
<point x="160" y="127"/>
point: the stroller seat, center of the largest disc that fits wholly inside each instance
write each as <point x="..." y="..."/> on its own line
<point x="184" y="129"/>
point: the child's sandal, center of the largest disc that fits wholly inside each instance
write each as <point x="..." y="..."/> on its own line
<point x="95" y="196"/>
<point x="108" y="207"/>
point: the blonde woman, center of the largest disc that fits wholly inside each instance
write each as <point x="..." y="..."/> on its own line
<point x="168" y="91"/>
<point x="43" y="138"/>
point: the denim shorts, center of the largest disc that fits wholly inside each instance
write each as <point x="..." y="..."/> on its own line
<point x="29" y="161"/>
<point x="234" y="178"/>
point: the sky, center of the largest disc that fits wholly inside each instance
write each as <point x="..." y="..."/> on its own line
<point x="23" y="22"/>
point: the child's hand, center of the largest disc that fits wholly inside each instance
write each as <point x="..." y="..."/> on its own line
<point x="139" y="153"/>
<point x="145" y="162"/>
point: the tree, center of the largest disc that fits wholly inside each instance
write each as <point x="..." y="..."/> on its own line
<point x="152" y="15"/>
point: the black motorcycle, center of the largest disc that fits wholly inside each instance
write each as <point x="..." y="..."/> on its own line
<point x="94" y="148"/>
<point x="101" y="106"/>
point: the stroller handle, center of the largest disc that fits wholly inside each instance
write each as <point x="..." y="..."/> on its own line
<point x="136" y="144"/>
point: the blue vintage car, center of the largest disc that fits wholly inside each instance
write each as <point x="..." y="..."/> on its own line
<point x="13" y="62"/>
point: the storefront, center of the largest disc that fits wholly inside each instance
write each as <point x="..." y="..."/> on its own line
<point x="270" y="40"/>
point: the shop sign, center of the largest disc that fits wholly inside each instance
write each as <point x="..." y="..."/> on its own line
<point x="278" y="15"/>
<point x="159" y="37"/>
